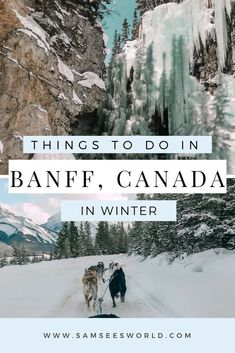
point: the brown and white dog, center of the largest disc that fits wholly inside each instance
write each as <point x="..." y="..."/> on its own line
<point x="90" y="287"/>
<point x="99" y="268"/>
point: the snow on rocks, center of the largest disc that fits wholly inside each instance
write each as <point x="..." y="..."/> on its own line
<point x="76" y="99"/>
<point x="65" y="70"/>
<point x="39" y="111"/>
<point x="32" y="29"/>
<point x="14" y="61"/>
<point x="63" y="11"/>
<point x="18" y="136"/>
<point x="62" y="96"/>
<point x="90" y="79"/>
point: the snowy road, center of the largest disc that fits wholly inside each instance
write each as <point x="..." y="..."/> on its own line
<point x="199" y="286"/>
<point x="142" y="300"/>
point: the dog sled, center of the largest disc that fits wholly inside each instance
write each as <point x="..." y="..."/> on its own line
<point x="116" y="284"/>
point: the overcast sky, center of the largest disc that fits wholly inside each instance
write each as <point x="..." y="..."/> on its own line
<point x="40" y="207"/>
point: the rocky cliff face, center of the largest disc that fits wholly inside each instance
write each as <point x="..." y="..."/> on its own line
<point x="51" y="70"/>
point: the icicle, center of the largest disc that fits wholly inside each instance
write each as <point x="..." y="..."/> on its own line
<point x="221" y="28"/>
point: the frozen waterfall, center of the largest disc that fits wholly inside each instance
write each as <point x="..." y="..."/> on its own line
<point x="152" y="87"/>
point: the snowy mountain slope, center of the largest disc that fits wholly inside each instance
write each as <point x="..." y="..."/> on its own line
<point x="5" y="249"/>
<point x="20" y="231"/>
<point x="201" y="285"/>
<point x="54" y="223"/>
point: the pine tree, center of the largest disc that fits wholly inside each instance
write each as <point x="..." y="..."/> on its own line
<point x="88" y="239"/>
<point x="92" y="8"/>
<point x="141" y="6"/>
<point x="102" y="240"/>
<point x="67" y="250"/>
<point x="34" y="258"/>
<point x="51" y="257"/>
<point x="220" y="104"/>
<point x="119" y="44"/>
<point x="125" y="36"/>
<point x="62" y="241"/>
<point x="16" y="257"/>
<point x="98" y="8"/>
<point x="115" y="43"/>
<point x="3" y="261"/>
<point x="113" y="234"/>
<point x="135" y="233"/>
<point x="135" y="25"/>
<point x="204" y="222"/>
<point x="122" y="238"/>
<point x="74" y="243"/>
<point x="19" y="256"/>
<point x="82" y="240"/>
<point x="23" y="256"/>
<point x="117" y="47"/>
<point x="135" y="237"/>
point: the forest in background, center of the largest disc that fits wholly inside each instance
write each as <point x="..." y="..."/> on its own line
<point x="204" y="222"/>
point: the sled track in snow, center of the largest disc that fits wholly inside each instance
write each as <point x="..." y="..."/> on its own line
<point x="149" y="300"/>
<point x="73" y="305"/>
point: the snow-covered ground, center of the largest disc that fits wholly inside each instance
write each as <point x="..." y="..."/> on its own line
<point x="201" y="285"/>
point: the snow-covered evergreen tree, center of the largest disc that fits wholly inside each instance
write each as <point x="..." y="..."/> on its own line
<point x="121" y="238"/>
<point x="221" y="103"/>
<point x="102" y="239"/>
<point x="125" y="36"/>
<point x="135" y="25"/>
<point x="62" y="245"/>
<point x="204" y="222"/>
<point x="19" y="256"/>
<point x="3" y="260"/>
<point x="113" y="234"/>
<point x="119" y="43"/>
<point x="88" y="239"/>
<point x="82" y="240"/>
<point x="74" y="241"/>
<point x="115" y="44"/>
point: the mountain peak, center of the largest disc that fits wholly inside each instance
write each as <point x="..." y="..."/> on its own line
<point x="20" y="231"/>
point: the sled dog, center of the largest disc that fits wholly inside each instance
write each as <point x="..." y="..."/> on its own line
<point x="90" y="287"/>
<point x="117" y="284"/>
<point x="99" y="268"/>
